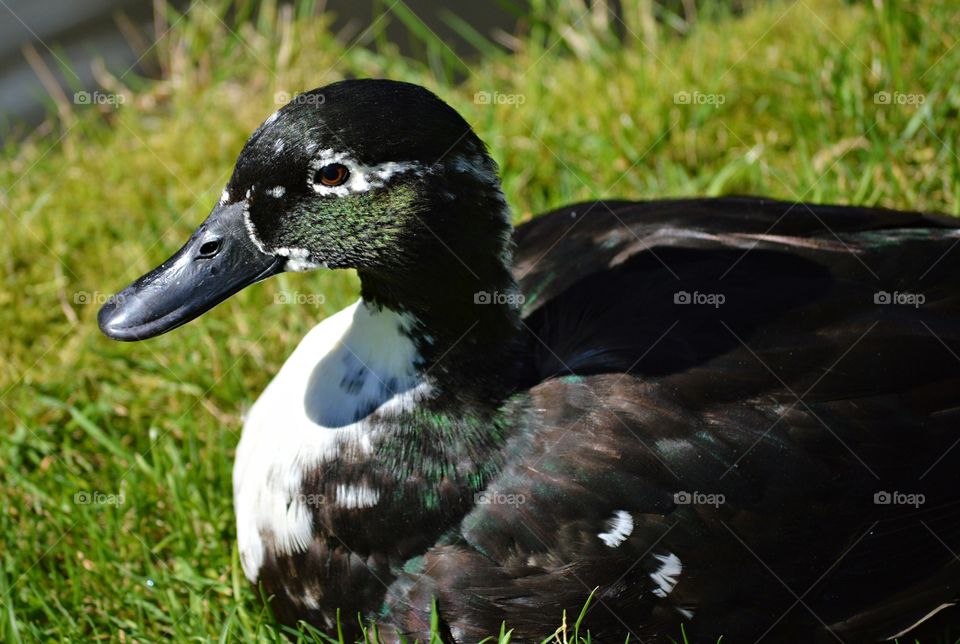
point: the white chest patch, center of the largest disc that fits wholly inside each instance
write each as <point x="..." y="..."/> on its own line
<point x="355" y="362"/>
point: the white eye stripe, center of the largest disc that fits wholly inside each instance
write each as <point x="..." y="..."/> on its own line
<point x="361" y="178"/>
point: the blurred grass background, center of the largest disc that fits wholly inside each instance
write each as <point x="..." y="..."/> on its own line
<point x="816" y="100"/>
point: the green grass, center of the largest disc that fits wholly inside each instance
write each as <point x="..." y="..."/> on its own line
<point x="100" y="196"/>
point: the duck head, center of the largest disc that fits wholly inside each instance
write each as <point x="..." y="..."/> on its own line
<point x="374" y="175"/>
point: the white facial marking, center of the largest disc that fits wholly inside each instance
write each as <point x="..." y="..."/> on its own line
<point x="666" y="575"/>
<point x="621" y="525"/>
<point x="357" y="496"/>
<point x="251" y="231"/>
<point x="361" y="178"/>
<point x="309" y="414"/>
<point x="277" y="191"/>
<point x="298" y="259"/>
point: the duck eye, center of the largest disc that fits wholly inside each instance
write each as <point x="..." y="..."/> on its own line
<point x="333" y="174"/>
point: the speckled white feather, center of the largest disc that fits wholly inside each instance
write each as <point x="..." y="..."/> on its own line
<point x="620" y="527"/>
<point x="357" y="496"/>
<point x="667" y="575"/>
<point x="298" y="259"/>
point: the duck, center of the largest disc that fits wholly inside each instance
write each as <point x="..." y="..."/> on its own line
<point x="728" y="417"/>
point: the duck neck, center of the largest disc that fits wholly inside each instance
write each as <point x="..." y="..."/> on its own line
<point x="463" y="317"/>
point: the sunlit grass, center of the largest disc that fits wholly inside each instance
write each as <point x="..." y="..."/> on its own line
<point x="783" y="102"/>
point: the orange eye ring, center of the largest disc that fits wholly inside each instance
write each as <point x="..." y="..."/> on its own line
<point x="333" y="174"/>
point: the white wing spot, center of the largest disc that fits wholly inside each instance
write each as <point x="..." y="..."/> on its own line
<point x="621" y="525"/>
<point x="665" y="577"/>
<point x="310" y="601"/>
<point x="356" y="496"/>
<point x="277" y="191"/>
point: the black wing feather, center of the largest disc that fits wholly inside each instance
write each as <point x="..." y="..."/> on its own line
<point x="793" y="402"/>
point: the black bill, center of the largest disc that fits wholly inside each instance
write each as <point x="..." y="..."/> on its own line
<point x="219" y="259"/>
